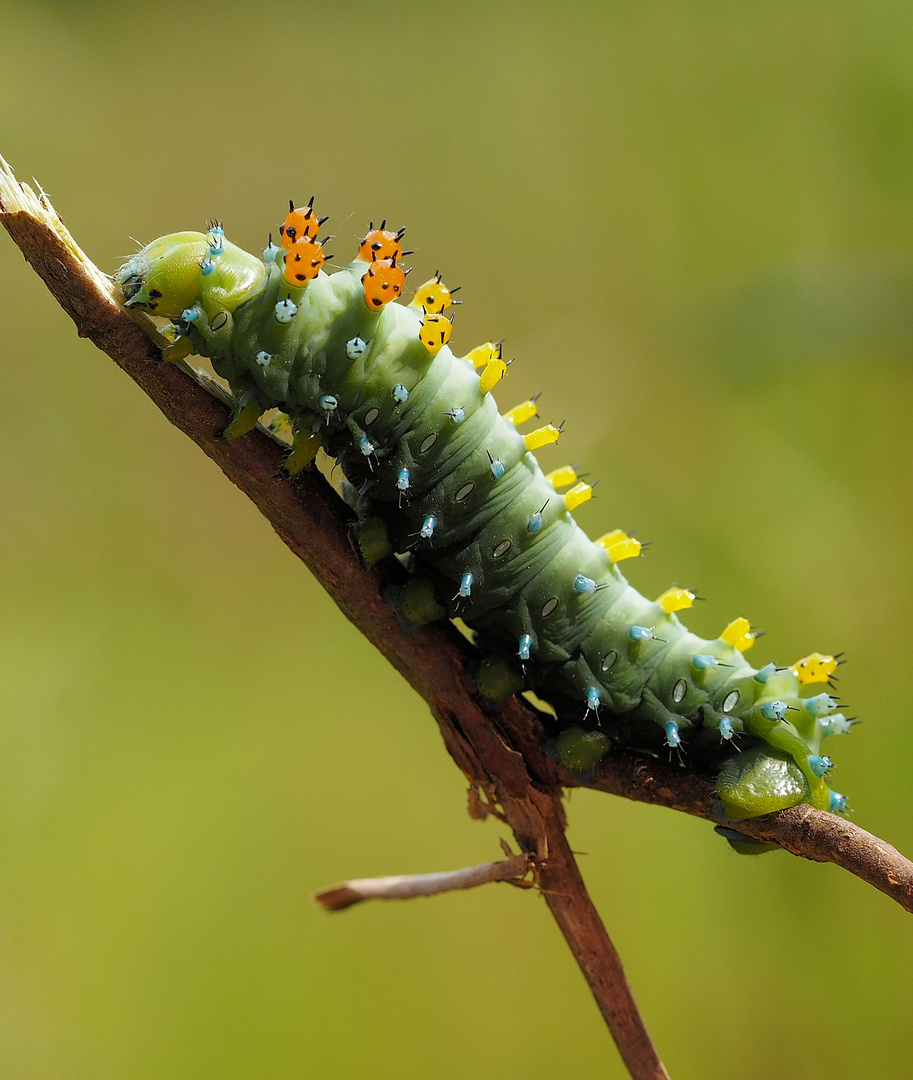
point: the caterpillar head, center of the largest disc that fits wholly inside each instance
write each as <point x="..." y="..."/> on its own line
<point x="173" y="272"/>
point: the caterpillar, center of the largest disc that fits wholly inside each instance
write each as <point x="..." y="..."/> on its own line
<point x="439" y="476"/>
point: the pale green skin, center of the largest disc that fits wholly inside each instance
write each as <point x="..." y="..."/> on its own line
<point x="510" y="592"/>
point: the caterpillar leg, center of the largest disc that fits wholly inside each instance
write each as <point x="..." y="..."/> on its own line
<point x="304" y="449"/>
<point x="244" y="419"/>
<point x="417" y="603"/>
<point x="373" y="540"/>
<point x="580" y="751"/>
<point x="497" y="680"/>
<point x="744" y="845"/>
<point x="178" y="349"/>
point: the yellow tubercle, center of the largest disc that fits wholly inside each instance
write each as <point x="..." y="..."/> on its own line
<point x="625" y="549"/>
<point x="814" y="668"/>
<point x="433" y="296"/>
<point x="619" y="545"/>
<point x="610" y="538"/>
<point x="675" y="599"/>
<point x="739" y="635"/>
<point x="492" y="375"/>
<point x="563" y="477"/>
<point x="481" y="354"/>
<point x="435" y="332"/>
<point x="577" y="495"/>
<point x="519" y="414"/>
<point x="542" y="436"/>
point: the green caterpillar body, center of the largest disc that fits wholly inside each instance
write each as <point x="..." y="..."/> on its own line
<point x="438" y="472"/>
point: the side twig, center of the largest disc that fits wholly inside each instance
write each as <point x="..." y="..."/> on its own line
<point x="408" y="886"/>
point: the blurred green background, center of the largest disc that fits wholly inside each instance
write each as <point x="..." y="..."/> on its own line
<point x="693" y="223"/>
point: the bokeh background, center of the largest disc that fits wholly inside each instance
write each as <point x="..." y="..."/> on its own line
<point x="693" y="223"/>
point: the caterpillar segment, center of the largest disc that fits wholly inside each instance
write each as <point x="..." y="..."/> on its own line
<point x="441" y="473"/>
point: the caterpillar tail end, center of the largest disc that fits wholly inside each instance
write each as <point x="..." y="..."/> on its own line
<point x="762" y="781"/>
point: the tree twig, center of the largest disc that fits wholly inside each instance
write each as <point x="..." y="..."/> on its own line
<point x="408" y="886"/>
<point x="502" y="754"/>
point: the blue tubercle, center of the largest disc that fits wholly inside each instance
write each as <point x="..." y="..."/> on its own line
<point x="497" y="469"/>
<point x="820" y="705"/>
<point x="525" y="645"/>
<point x="765" y="673"/>
<point x="400" y="393"/>
<point x="584" y="584"/>
<point x="838" y="724"/>
<point x="466" y="584"/>
<point x="820" y="766"/>
<point x="673" y="739"/>
<point x="216" y="240"/>
<point x="285" y="311"/>
<point x="427" y="530"/>
<point x="355" y="347"/>
<point x="725" y="729"/>
<point x="703" y="662"/>
<point x="402" y="480"/>
<point x="641" y="633"/>
<point x="774" y="710"/>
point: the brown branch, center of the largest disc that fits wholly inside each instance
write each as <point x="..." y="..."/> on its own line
<point x="502" y="755"/>
<point x="312" y="520"/>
